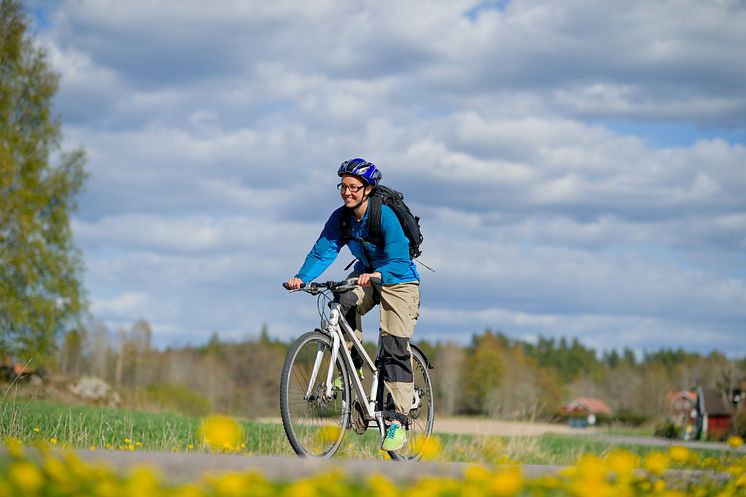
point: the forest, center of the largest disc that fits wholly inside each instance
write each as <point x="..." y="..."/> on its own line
<point x="492" y="376"/>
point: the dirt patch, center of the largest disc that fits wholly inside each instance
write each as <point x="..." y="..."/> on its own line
<point x="481" y="426"/>
<point x="463" y="425"/>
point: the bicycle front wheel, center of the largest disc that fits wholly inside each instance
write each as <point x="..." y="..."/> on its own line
<point x="422" y="414"/>
<point x="315" y="423"/>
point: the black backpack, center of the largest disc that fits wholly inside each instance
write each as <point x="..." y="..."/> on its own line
<point x="395" y="200"/>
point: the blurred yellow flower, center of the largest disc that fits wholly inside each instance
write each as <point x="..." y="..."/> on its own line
<point x="221" y="432"/>
<point x="26" y="477"/>
<point x="656" y="463"/>
<point x="302" y="488"/>
<point x="622" y="463"/>
<point x="735" y="441"/>
<point x="380" y="485"/>
<point x="142" y="481"/>
<point x="427" y="447"/>
<point x="36" y="429"/>
<point x="330" y="433"/>
<point x="591" y="468"/>
<point x="53" y="440"/>
<point x="231" y="484"/>
<point x="507" y="483"/>
<point x="678" y="453"/>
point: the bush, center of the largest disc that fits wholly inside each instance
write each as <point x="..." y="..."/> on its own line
<point x="629" y="418"/>
<point x="178" y="398"/>
<point x="667" y="429"/>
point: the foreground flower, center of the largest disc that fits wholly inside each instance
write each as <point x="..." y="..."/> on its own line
<point x="221" y="433"/>
<point x="735" y="441"/>
<point x="656" y="463"/>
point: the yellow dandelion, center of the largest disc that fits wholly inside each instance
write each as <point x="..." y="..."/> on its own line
<point x="678" y="453"/>
<point x="127" y="440"/>
<point x="219" y="432"/>
<point x="36" y="429"/>
<point x="131" y="447"/>
<point x="427" y="447"/>
<point x="142" y="481"/>
<point x="190" y="446"/>
<point x="591" y="468"/>
<point x="656" y="463"/>
<point x="53" y="440"/>
<point x="138" y="444"/>
<point x="108" y="446"/>
<point x="302" y="488"/>
<point x="380" y="485"/>
<point x="231" y="484"/>
<point x="622" y="463"/>
<point x="507" y="483"/>
<point x="26" y="477"/>
<point x="735" y="441"/>
<point x="659" y="486"/>
<point x="330" y="433"/>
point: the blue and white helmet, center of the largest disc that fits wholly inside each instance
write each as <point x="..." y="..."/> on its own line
<point x="366" y="171"/>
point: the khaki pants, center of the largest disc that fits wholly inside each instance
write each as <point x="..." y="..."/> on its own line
<point x="400" y="308"/>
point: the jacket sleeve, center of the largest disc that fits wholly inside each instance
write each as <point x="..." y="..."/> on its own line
<point x="324" y="251"/>
<point x="396" y="247"/>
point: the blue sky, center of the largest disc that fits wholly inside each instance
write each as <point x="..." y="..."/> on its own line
<point x="579" y="166"/>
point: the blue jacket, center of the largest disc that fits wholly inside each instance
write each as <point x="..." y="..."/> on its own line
<point x="392" y="260"/>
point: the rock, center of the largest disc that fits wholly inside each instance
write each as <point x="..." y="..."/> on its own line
<point x="95" y="390"/>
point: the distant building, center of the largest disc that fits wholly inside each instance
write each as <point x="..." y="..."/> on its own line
<point x="682" y="411"/>
<point x="585" y="411"/>
<point x="714" y="413"/>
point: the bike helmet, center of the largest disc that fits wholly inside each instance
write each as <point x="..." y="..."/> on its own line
<point x="362" y="169"/>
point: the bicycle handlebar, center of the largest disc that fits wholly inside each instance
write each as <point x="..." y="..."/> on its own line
<point x="315" y="287"/>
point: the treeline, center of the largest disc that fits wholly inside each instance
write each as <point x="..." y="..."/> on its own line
<point x="492" y="376"/>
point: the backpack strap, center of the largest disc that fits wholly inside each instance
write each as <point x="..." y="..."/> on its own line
<point x="345" y="224"/>
<point x="374" y="219"/>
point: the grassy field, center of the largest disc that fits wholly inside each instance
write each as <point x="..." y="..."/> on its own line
<point x="36" y="422"/>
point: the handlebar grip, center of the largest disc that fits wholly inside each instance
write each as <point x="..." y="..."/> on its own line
<point x="286" y="287"/>
<point x="376" y="281"/>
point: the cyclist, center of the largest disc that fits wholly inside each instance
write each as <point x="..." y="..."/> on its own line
<point x="398" y="295"/>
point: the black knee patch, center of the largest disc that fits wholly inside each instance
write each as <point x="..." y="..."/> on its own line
<point x="397" y="361"/>
<point x="348" y="301"/>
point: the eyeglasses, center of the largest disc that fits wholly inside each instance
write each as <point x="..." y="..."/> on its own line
<point x="351" y="188"/>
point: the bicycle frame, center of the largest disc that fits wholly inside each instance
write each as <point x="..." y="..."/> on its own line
<point x="339" y="329"/>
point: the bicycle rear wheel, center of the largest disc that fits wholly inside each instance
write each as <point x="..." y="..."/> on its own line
<point x="422" y="415"/>
<point x="314" y="423"/>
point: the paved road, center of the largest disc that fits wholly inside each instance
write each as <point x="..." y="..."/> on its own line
<point x="182" y="467"/>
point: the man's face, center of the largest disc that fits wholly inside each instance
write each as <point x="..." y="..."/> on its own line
<point x="352" y="190"/>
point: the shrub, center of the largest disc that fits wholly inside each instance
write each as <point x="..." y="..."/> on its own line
<point x="178" y="398"/>
<point x="667" y="429"/>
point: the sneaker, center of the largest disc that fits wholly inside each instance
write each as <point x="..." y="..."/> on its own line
<point x="395" y="438"/>
<point x="337" y="383"/>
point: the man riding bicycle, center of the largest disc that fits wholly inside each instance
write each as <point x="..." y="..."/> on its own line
<point x="398" y="294"/>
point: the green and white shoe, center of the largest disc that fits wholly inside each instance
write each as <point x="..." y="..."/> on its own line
<point x="395" y="438"/>
<point x="337" y="383"/>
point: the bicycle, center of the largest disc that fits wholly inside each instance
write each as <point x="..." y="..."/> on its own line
<point x="317" y="408"/>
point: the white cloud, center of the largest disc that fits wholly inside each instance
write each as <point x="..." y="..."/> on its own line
<point x="213" y="134"/>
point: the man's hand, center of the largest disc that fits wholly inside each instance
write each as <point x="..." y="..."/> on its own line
<point x="294" y="283"/>
<point x="364" y="279"/>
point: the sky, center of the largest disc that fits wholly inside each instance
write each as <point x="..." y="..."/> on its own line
<point x="579" y="166"/>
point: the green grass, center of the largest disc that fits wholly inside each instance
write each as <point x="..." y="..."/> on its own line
<point x="35" y="422"/>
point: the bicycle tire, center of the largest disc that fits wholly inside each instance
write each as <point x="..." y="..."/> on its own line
<point x="421" y="420"/>
<point x="316" y="425"/>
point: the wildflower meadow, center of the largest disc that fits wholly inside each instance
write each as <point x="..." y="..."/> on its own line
<point x="37" y="462"/>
